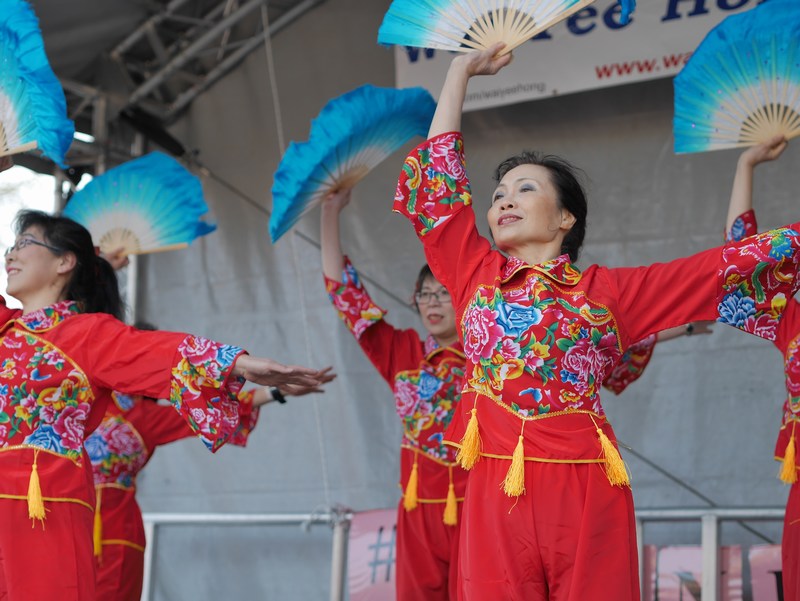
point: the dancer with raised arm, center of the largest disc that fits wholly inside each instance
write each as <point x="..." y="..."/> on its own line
<point x="548" y="513"/>
<point x="426" y="377"/>
<point x="60" y="357"/>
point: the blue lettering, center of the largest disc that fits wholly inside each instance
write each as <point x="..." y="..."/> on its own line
<point x="612" y="17"/>
<point x="727" y="5"/>
<point x="413" y="53"/>
<point x="545" y="35"/>
<point x="672" y="9"/>
<point x="573" y="23"/>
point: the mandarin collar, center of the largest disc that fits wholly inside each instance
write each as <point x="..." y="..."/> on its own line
<point x="559" y="269"/>
<point x="431" y="347"/>
<point x="49" y="317"/>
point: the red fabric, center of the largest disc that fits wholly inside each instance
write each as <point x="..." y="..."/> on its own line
<point x="48" y="564"/>
<point x="790" y="546"/>
<point x="120" y="574"/>
<point x="632" y="365"/>
<point x="427" y="552"/>
<point x="571" y="538"/>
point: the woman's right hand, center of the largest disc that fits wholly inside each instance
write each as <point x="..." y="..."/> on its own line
<point x="766" y="151"/>
<point x="483" y="62"/>
<point x="337" y="200"/>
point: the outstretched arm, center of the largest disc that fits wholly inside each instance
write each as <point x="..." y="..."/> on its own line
<point x="742" y="193"/>
<point x="262" y="396"/>
<point x="451" y="101"/>
<point x="330" y="240"/>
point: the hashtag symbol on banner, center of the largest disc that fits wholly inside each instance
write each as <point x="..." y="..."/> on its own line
<point x="383" y="554"/>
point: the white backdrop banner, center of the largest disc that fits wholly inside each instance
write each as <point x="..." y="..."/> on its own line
<point x="589" y="50"/>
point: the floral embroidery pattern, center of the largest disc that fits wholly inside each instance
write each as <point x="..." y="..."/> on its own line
<point x="117" y="452"/>
<point x="631" y="365"/>
<point x="352" y="302"/>
<point x="44" y="400"/>
<point x="757" y="277"/>
<point x="567" y="344"/>
<point x="791" y="368"/>
<point x="745" y="225"/>
<point x="439" y="163"/>
<point x="248" y="418"/>
<point x="49" y="317"/>
<point x="201" y="391"/>
<point x="425" y="399"/>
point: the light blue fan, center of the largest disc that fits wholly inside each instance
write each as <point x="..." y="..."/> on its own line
<point x="33" y="110"/>
<point x="742" y="85"/>
<point x="149" y="204"/>
<point x="352" y="134"/>
<point x="463" y="25"/>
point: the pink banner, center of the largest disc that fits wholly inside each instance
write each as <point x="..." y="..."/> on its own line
<point x="371" y="555"/>
<point x="765" y="572"/>
<point x="680" y="573"/>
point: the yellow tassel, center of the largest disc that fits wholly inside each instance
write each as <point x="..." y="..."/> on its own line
<point x="410" y="497"/>
<point x="514" y="484"/>
<point x="470" y="450"/>
<point x="35" y="501"/>
<point x="97" y="537"/>
<point x="450" y="517"/>
<point x="615" y="466"/>
<point x="789" y="467"/>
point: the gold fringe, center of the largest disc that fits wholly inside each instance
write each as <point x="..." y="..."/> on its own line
<point x="470" y="450"/>
<point x="450" y="517"/>
<point x="616" y="471"/>
<point x="789" y="466"/>
<point x="36" y="509"/>
<point x="97" y="535"/>
<point x="514" y="483"/>
<point x="411" y="494"/>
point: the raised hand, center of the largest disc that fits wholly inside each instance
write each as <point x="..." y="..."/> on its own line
<point x="336" y="201"/>
<point x="118" y="259"/>
<point x="483" y="62"/>
<point x="766" y="151"/>
<point x="6" y="162"/>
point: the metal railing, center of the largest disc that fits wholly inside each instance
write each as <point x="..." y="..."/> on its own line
<point x="710" y="519"/>
<point x="339" y="522"/>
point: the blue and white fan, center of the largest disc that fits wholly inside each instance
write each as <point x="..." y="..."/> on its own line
<point x="464" y="25"/>
<point x="742" y="85"/>
<point x="33" y="110"/>
<point x="352" y="134"/>
<point x="149" y="204"/>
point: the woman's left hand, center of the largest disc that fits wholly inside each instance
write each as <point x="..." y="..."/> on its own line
<point x="271" y="373"/>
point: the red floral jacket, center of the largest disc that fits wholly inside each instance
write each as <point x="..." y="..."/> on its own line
<point x="57" y="370"/>
<point x="540" y="340"/>
<point x="426" y="381"/>
<point x="122" y="445"/>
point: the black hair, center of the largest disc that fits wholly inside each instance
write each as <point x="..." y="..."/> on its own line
<point x="424" y="274"/>
<point x="571" y="195"/>
<point x="93" y="284"/>
<point x="144" y="325"/>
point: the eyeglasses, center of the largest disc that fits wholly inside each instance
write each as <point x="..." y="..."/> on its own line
<point x="23" y="242"/>
<point x="425" y="297"/>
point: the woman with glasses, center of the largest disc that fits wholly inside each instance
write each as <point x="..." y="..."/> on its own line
<point x="60" y="357"/>
<point x="426" y="378"/>
<point x="548" y="512"/>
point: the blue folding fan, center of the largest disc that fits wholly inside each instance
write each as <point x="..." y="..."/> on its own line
<point x="33" y="110"/>
<point x="150" y="204"/>
<point x="464" y="25"/>
<point x="352" y="134"/>
<point x="742" y="85"/>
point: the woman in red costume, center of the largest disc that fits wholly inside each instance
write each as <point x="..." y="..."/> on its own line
<point x="548" y="513"/>
<point x="60" y="357"/>
<point x="426" y="378"/>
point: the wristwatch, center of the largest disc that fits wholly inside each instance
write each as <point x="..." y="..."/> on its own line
<point x="276" y="395"/>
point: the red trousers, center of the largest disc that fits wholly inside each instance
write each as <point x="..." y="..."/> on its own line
<point x="790" y="547"/>
<point x="570" y="537"/>
<point x="120" y="572"/>
<point x="427" y="554"/>
<point x="47" y="563"/>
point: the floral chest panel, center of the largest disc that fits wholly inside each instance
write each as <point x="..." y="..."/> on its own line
<point x="537" y="347"/>
<point x="425" y="400"/>
<point x="791" y="368"/>
<point x="45" y="399"/>
<point x="117" y="452"/>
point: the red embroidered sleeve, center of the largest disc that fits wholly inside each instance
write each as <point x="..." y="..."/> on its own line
<point x="193" y="373"/>
<point x="248" y="418"/>
<point x="390" y="350"/>
<point x="743" y="226"/>
<point x="631" y="365"/>
<point x="743" y="284"/>
<point x="352" y="302"/>
<point x="433" y="192"/>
